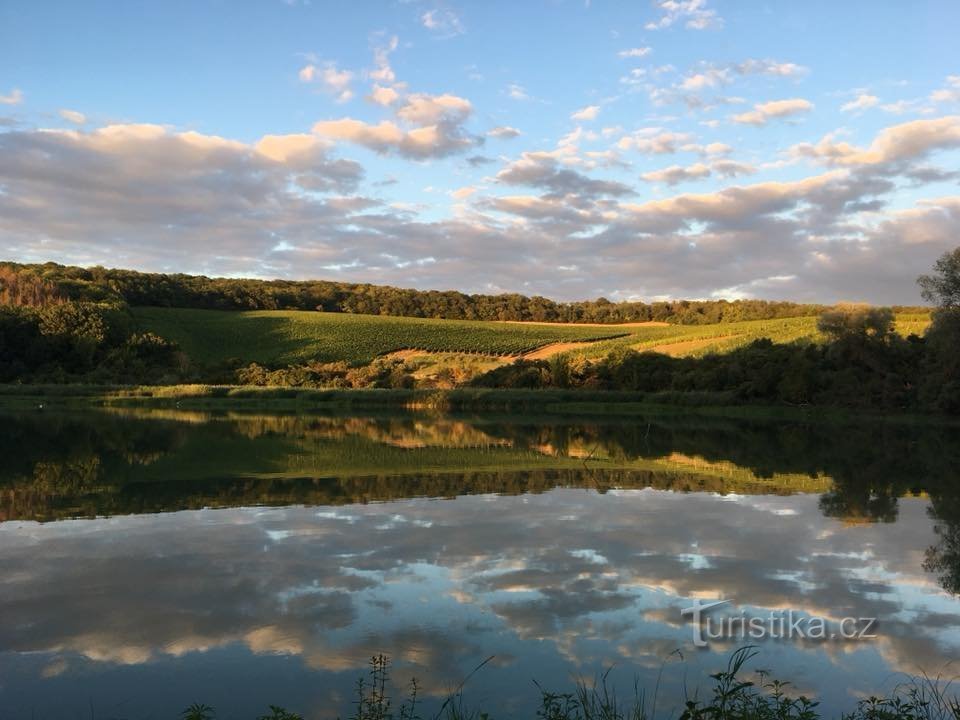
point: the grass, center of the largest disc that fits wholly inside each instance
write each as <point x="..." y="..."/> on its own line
<point x="735" y="695"/>
<point x="292" y="336"/>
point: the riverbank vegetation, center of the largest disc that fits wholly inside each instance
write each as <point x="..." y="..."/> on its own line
<point x="67" y="325"/>
<point x="735" y="694"/>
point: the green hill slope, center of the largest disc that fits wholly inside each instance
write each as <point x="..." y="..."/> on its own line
<point x="292" y="336"/>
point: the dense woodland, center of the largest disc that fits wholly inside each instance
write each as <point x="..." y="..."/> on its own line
<point x="50" y="283"/>
<point x="62" y="324"/>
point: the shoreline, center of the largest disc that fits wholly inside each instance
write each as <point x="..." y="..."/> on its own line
<point x="552" y="402"/>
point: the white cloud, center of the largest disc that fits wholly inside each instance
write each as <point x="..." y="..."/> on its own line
<point x="586" y="113"/>
<point x="710" y="76"/>
<point x="698" y="171"/>
<point x="948" y="94"/>
<point x="434" y="128"/>
<point x="862" y="102"/>
<point x="692" y="13"/>
<point x="382" y="71"/>
<point x="504" y="132"/>
<point x="637" y="52"/>
<point x="423" y="109"/>
<point x="330" y="79"/>
<point x="654" y="141"/>
<point x="762" y="113"/>
<point x="677" y="174"/>
<point x="77" y="118"/>
<point x="463" y="193"/>
<point x="382" y="95"/>
<point x="517" y="92"/>
<point x="896" y="145"/>
<point x="15" y="97"/>
<point x="443" y="21"/>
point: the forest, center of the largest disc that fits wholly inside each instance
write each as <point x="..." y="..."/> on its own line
<point x="50" y="283"/>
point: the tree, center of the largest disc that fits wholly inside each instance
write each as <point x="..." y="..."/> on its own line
<point x="846" y="320"/>
<point x="943" y="287"/>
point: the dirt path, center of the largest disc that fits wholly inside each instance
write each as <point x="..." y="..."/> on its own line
<point x="547" y="351"/>
<point x="679" y="348"/>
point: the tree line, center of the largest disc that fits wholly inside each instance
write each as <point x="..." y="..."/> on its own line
<point x="72" y="325"/>
<point x="42" y="284"/>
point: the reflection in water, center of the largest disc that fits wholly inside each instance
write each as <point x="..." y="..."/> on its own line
<point x="282" y="592"/>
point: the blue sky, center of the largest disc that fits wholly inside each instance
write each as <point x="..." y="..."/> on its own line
<point x="676" y="148"/>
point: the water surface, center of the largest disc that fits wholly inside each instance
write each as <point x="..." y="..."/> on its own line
<point x="154" y="559"/>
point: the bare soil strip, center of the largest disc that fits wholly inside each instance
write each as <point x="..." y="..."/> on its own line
<point x="547" y="351"/>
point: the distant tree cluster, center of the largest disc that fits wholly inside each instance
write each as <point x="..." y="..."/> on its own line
<point x="101" y="285"/>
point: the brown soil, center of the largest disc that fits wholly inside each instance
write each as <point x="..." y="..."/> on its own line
<point x="542" y="353"/>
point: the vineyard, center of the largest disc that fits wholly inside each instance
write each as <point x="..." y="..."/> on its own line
<point x="289" y="337"/>
<point x="293" y="336"/>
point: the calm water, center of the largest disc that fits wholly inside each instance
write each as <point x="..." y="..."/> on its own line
<point x="151" y="560"/>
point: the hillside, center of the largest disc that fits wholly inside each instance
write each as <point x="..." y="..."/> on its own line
<point x="287" y="337"/>
<point x="293" y="336"/>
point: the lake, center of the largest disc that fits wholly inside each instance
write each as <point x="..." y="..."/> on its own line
<point x="152" y="559"/>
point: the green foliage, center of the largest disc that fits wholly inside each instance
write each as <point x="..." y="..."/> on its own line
<point x="191" y="291"/>
<point x="732" y="697"/>
<point x="845" y="320"/>
<point x="198" y="711"/>
<point x="942" y="288"/>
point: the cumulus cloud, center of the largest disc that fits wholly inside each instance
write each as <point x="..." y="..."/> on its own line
<point x="948" y="94"/>
<point x="331" y="79"/>
<point x="709" y="76"/>
<point x="677" y="174"/>
<point x="542" y="169"/>
<point x="637" y="52"/>
<point x="654" y="141"/>
<point x="504" y="132"/>
<point x="77" y="118"/>
<point x="763" y="113"/>
<point x="153" y="197"/>
<point x="382" y="95"/>
<point x="698" y="171"/>
<point x="589" y="112"/>
<point x="893" y="146"/>
<point x="432" y="127"/>
<point x="693" y="14"/>
<point x="14" y="97"/>
<point x="863" y="101"/>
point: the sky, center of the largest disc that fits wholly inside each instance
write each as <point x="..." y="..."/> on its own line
<point x="647" y="150"/>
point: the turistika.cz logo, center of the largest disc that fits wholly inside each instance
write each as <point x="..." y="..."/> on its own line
<point x="775" y="625"/>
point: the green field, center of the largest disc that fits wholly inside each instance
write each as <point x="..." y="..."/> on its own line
<point x="294" y="336"/>
<point x="286" y="337"/>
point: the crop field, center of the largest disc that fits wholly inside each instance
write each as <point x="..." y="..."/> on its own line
<point x="292" y="336"/>
<point x="282" y="337"/>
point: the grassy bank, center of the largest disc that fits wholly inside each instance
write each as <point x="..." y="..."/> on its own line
<point x="736" y="694"/>
<point x="540" y="402"/>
